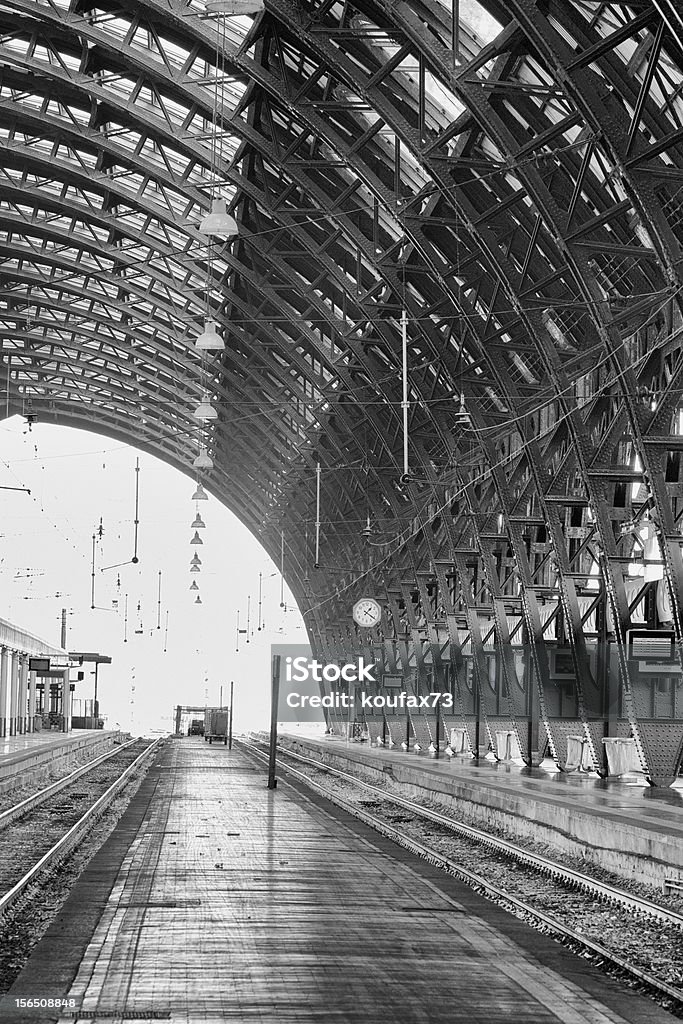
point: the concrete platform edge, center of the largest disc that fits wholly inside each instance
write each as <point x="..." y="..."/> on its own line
<point x="614" y="842"/>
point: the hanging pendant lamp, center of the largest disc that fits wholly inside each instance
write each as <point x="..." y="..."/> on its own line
<point x="200" y="494"/>
<point x="234" y="7"/>
<point x="196" y="539"/>
<point x="203" y="461"/>
<point x="193" y="585"/>
<point x="205" y="411"/>
<point x="198" y="523"/>
<point x="195" y="560"/>
<point x="462" y="417"/>
<point x="209" y="340"/>
<point x="195" y="568"/>
<point x="198" y="599"/>
<point x="219" y="222"/>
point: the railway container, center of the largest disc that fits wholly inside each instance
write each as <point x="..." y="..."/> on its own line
<point x="216" y="725"/>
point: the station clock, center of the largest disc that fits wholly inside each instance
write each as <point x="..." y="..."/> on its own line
<point x="367" y="612"/>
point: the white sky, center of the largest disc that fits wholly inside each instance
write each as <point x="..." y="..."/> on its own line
<point x="75" y="478"/>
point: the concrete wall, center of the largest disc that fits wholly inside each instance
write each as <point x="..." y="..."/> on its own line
<point x="34" y="767"/>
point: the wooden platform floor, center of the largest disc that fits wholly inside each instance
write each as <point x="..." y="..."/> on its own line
<point x="218" y="900"/>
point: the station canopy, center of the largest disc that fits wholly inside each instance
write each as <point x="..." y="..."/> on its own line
<point x="505" y="189"/>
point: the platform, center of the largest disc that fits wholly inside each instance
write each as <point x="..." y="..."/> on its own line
<point x="622" y="824"/>
<point x="216" y="899"/>
<point x="23" y="758"/>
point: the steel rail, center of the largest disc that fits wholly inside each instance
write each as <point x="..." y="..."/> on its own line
<point x="41" y="795"/>
<point x="473" y="879"/>
<point x="543" y="864"/>
<point x="74" y="833"/>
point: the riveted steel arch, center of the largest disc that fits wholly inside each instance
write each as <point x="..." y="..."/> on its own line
<point x="521" y="200"/>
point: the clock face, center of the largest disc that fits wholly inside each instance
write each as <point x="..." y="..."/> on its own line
<point x="367" y="612"/>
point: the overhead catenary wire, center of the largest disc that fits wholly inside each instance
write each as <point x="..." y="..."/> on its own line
<point x="405" y="403"/>
<point x="584" y="303"/>
<point x="504" y="167"/>
<point x="135" y="559"/>
<point x="92" y="575"/>
<point x="421" y="520"/>
<point x="220" y="71"/>
<point x="282" y="568"/>
<point x="548" y="402"/>
<point x="318" y="474"/>
<point x="491" y="428"/>
<point x="436" y="401"/>
<point x="159" y="603"/>
<point x="529" y="412"/>
<point x="77" y="548"/>
<point x="220" y="68"/>
<point x="136" y="523"/>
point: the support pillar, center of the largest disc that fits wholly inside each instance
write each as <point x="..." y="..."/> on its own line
<point x="4" y="687"/>
<point x="32" y="683"/>
<point x="14" y="693"/>
<point x="23" y="694"/>
<point x="66" y="702"/>
<point x="96" y="703"/>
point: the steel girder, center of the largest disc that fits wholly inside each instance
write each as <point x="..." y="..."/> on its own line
<point x="521" y="200"/>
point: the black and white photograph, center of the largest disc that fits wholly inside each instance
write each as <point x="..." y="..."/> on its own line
<point x="341" y="511"/>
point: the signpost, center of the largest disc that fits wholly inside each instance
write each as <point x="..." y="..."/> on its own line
<point x="274" y="699"/>
<point x="40" y="665"/>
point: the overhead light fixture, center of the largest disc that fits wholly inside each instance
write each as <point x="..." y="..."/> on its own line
<point x="219" y="222"/>
<point x="200" y="495"/>
<point x="205" y="411"/>
<point x="233" y="8"/>
<point x="193" y="585"/>
<point x="196" y="539"/>
<point x="195" y="568"/>
<point x="198" y="599"/>
<point x="203" y="461"/>
<point x="343" y="93"/>
<point x="209" y="340"/>
<point x="195" y="560"/>
<point x="462" y="417"/>
<point x="198" y="523"/>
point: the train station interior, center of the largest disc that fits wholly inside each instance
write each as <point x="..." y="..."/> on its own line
<point x="399" y="287"/>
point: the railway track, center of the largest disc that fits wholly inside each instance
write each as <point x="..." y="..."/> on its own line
<point x="21" y="808"/>
<point x="40" y="833"/>
<point x="551" y="872"/>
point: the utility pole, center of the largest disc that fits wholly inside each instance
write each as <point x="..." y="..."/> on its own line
<point x="230" y="716"/>
<point x="274" y="696"/>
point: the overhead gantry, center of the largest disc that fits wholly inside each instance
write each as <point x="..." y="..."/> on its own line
<point x="510" y="187"/>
